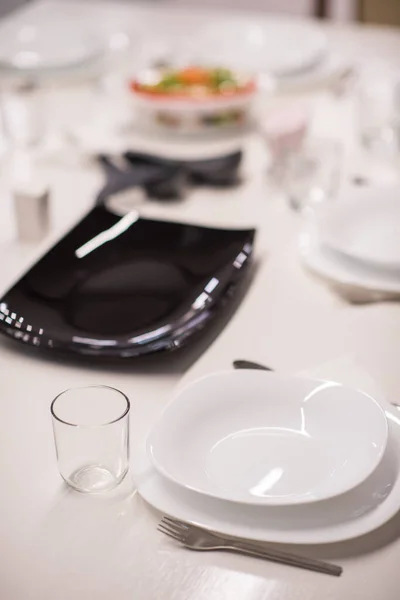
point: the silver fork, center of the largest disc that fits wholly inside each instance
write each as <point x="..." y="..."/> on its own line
<point x="196" y="538"/>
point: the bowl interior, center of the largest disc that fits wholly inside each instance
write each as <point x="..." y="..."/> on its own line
<point x="262" y="438"/>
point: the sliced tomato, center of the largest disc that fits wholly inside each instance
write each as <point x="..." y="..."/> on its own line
<point x="194" y="76"/>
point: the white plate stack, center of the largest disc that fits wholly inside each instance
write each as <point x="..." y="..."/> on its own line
<point x="267" y="457"/>
<point x="355" y="242"/>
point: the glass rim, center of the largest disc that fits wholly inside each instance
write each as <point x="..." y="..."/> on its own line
<point x="86" y="387"/>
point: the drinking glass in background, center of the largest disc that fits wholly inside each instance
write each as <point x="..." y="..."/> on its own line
<point x="36" y="60"/>
<point x="312" y="175"/>
<point x="23" y="113"/>
<point x="285" y="130"/>
<point x="91" y="433"/>
<point x="378" y="109"/>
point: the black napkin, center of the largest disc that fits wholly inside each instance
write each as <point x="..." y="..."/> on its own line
<point x="163" y="178"/>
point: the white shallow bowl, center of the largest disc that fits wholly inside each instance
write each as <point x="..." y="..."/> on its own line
<point x="356" y="513"/>
<point x="266" y="439"/>
<point x="365" y="227"/>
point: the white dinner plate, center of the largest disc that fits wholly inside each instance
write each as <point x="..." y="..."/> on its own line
<point x="336" y="268"/>
<point x="52" y="47"/>
<point x="365" y="227"/>
<point x="277" y="46"/>
<point x="350" y="515"/>
<point x="261" y="438"/>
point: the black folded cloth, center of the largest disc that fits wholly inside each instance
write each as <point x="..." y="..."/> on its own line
<point x="163" y="178"/>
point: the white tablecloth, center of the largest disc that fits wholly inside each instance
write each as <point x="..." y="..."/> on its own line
<point x="57" y="544"/>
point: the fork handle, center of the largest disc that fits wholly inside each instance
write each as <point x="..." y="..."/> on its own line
<point x="285" y="558"/>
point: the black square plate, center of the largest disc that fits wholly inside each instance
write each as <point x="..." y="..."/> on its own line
<point x="125" y="286"/>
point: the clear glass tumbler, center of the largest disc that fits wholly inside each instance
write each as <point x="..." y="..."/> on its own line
<point x="379" y="109"/>
<point x="91" y="433"/>
<point x="312" y="175"/>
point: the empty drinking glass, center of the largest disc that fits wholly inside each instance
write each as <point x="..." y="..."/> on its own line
<point x="91" y="433"/>
<point x="23" y="111"/>
<point x="312" y="175"/>
<point x="379" y="108"/>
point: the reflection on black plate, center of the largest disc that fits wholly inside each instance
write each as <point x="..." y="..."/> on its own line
<point x="125" y="286"/>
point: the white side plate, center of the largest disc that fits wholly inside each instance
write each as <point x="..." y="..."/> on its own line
<point x="261" y="438"/>
<point x="336" y="268"/>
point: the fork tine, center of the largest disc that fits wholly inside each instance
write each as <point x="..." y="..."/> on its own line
<point x="165" y="532"/>
<point x="175" y="532"/>
<point x="175" y="522"/>
<point x="172" y="525"/>
<point x="170" y="532"/>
